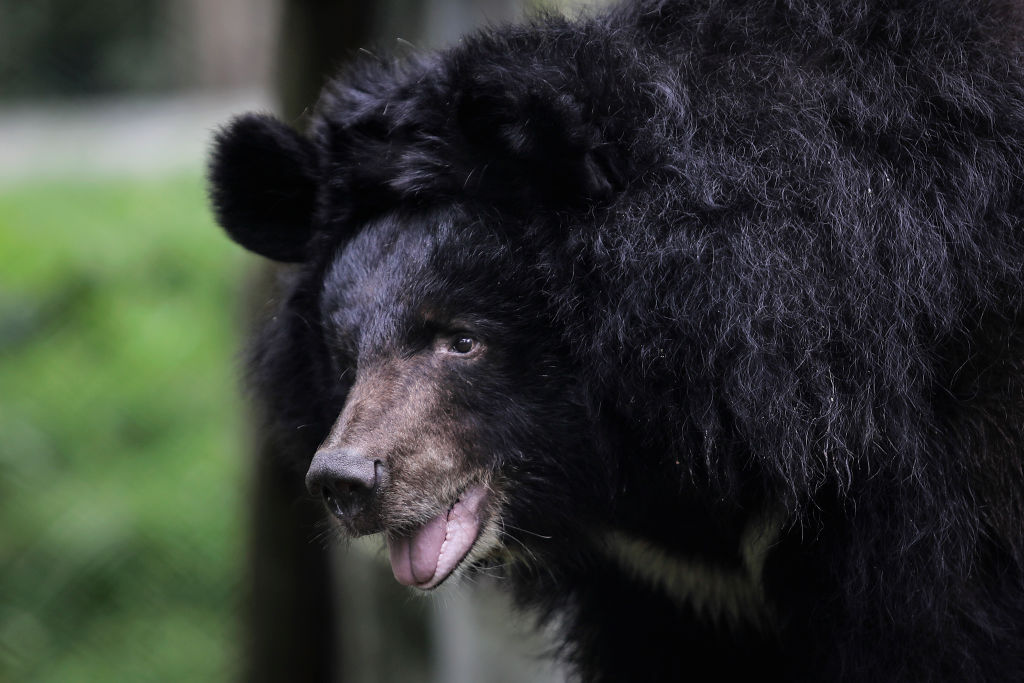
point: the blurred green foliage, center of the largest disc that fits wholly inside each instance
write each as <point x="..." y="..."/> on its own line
<point x="121" y="476"/>
<point x="67" y="47"/>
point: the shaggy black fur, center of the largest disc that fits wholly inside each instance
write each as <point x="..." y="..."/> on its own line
<point x="753" y="272"/>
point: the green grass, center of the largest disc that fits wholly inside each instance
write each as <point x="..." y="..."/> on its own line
<point x="121" y="470"/>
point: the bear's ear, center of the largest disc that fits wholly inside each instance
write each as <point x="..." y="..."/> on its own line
<point x="527" y="132"/>
<point x="263" y="185"/>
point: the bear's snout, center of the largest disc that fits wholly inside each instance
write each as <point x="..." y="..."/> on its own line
<point x="347" y="481"/>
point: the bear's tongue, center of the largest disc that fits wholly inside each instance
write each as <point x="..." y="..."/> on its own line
<point x="427" y="556"/>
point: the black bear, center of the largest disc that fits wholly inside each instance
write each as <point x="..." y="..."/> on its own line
<point x="699" y="322"/>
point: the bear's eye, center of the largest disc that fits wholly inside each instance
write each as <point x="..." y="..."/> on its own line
<point x="463" y="345"/>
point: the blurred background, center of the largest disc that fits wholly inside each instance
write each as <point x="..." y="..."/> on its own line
<point x="143" y="536"/>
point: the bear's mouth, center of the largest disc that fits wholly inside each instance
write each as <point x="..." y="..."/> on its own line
<point x="429" y="555"/>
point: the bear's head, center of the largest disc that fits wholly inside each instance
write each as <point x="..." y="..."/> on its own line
<point x="419" y="341"/>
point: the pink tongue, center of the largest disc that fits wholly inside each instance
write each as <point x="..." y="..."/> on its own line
<point x="432" y="552"/>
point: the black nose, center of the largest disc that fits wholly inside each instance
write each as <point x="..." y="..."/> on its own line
<point x="345" y="478"/>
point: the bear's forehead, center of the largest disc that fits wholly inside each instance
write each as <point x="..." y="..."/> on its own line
<point x="404" y="271"/>
<point x="387" y="261"/>
<point x="405" y="255"/>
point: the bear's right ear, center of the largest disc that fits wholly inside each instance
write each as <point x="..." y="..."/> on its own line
<point x="263" y="185"/>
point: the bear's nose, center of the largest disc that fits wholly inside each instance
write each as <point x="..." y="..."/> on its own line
<point x="346" y="480"/>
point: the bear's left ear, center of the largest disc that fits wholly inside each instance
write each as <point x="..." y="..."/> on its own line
<point x="263" y="185"/>
<point x="529" y="133"/>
